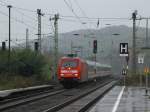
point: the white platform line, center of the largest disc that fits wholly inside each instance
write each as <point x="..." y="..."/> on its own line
<point x="118" y="100"/>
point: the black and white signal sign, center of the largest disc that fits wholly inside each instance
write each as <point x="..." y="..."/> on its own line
<point x="124" y="49"/>
<point x="141" y="58"/>
<point x="124" y="72"/>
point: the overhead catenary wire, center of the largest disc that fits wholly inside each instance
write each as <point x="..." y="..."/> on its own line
<point x="95" y="18"/>
<point x="91" y="18"/>
<point x="29" y="17"/>
<point x="20" y="11"/>
<point x="20" y="21"/>
<point x="82" y="11"/>
<point x="68" y="16"/>
<point x="23" y="14"/>
<point x="79" y="19"/>
<point x="73" y="20"/>
<point x="27" y="10"/>
<point x="17" y="20"/>
<point x="70" y="3"/>
<point x="92" y="21"/>
<point x="72" y="10"/>
<point x="19" y="8"/>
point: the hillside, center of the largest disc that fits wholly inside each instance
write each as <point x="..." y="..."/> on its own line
<point x="108" y="43"/>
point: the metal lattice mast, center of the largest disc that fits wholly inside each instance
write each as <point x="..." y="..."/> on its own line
<point x="134" y="43"/>
<point x="39" y="28"/>
<point x="56" y="44"/>
<point x="55" y="64"/>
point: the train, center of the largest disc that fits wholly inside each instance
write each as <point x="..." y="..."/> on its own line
<point x="75" y="70"/>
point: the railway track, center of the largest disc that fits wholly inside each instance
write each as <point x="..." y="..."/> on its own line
<point x="83" y="101"/>
<point x="20" y="100"/>
<point x="8" y="100"/>
<point x="50" y="102"/>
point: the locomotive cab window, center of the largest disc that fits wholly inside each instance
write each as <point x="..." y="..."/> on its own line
<point x="71" y="64"/>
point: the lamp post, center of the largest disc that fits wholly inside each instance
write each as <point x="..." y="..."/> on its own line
<point x="9" y="7"/>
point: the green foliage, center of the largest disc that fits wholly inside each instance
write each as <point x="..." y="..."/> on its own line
<point x="18" y="81"/>
<point x="25" y="68"/>
<point x="46" y="72"/>
<point x="24" y="62"/>
<point x="3" y="61"/>
<point x="135" y="80"/>
<point x="30" y="62"/>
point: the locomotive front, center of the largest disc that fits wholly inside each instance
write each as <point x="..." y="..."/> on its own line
<point x="69" y="71"/>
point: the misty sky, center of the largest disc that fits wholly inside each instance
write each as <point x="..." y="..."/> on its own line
<point x="90" y="8"/>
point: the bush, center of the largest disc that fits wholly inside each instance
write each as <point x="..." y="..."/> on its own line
<point x="23" y="62"/>
<point x="30" y="63"/>
<point x="3" y="62"/>
<point x="135" y="80"/>
<point x="17" y="81"/>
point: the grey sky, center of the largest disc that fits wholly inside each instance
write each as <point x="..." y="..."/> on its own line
<point x="92" y="8"/>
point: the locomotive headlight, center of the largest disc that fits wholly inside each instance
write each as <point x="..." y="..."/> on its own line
<point x="76" y="75"/>
<point x="61" y="74"/>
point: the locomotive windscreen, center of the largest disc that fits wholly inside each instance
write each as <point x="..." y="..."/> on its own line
<point x="71" y="64"/>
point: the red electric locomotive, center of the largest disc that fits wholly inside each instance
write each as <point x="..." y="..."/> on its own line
<point x="73" y="70"/>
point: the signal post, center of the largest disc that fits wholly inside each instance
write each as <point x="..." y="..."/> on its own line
<point x="95" y="52"/>
<point x="124" y="53"/>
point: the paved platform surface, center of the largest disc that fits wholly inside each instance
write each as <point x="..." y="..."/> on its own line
<point x="8" y="92"/>
<point x="124" y="99"/>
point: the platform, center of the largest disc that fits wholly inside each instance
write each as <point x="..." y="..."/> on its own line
<point x="124" y="99"/>
<point x="6" y="93"/>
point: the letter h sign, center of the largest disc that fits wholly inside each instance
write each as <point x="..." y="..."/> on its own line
<point x="123" y="49"/>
